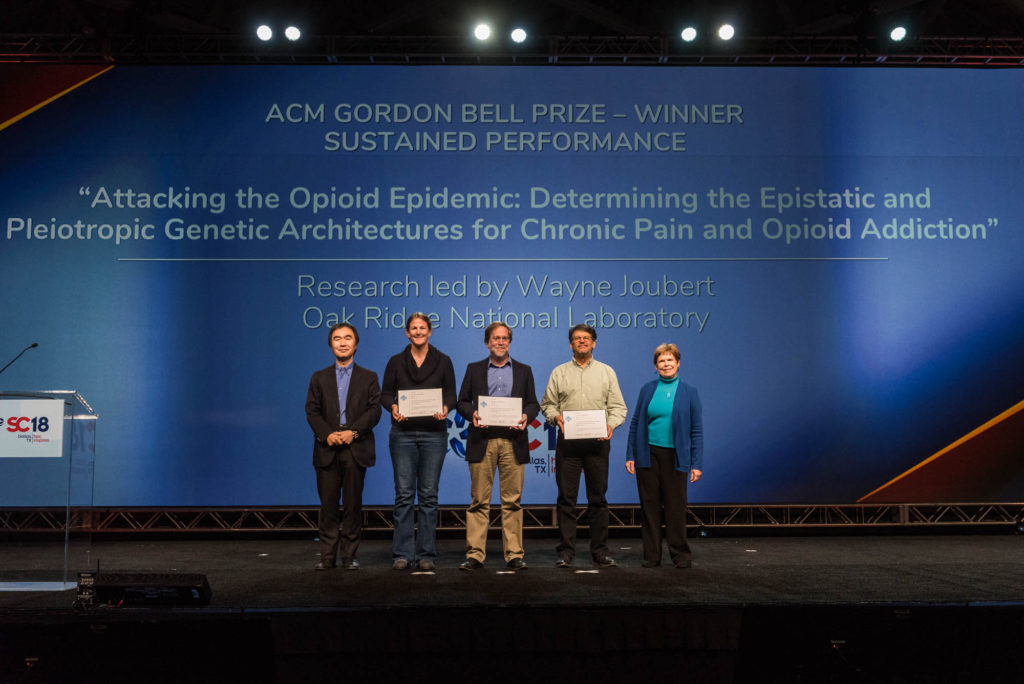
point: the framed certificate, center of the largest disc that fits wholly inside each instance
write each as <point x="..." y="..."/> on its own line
<point x="420" y="402"/>
<point x="585" y="424"/>
<point x="500" y="411"/>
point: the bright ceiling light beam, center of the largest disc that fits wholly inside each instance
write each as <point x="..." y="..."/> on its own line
<point x="482" y="32"/>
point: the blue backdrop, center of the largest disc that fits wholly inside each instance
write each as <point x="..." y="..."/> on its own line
<point x="835" y="251"/>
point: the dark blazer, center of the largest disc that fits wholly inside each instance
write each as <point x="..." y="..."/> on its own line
<point x="474" y="385"/>
<point x="362" y="413"/>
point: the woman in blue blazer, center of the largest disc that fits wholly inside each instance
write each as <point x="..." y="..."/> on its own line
<point x="665" y="449"/>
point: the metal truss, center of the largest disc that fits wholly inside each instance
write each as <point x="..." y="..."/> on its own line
<point x="933" y="51"/>
<point x="747" y="517"/>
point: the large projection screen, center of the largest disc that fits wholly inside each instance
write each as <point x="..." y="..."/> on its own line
<point x="837" y="253"/>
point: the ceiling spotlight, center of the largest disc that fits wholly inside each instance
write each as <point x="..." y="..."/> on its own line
<point x="689" y="34"/>
<point x="482" y="32"/>
<point x="292" y="33"/>
<point x="518" y="35"/>
<point x="898" y="33"/>
<point x="726" y="32"/>
<point x="264" y="32"/>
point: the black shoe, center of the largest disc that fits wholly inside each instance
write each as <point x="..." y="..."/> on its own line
<point x="426" y="565"/>
<point x="471" y="564"/>
<point x="349" y="564"/>
<point x="683" y="564"/>
<point x="324" y="565"/>
<point x="563" y="563"/>
<point x="517" y="564"/>
<point x="605" y="561"/>
<point x="650" y="564"/>
<point x="400" y="564"/>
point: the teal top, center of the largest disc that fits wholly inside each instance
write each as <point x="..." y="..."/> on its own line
<point x="659" y="413"/>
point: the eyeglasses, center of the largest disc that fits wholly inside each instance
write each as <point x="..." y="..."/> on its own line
<point x="499" y="338"/>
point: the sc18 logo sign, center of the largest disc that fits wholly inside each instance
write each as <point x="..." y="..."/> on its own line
<point x="31" y="428"/>
<point x="25" y="424"/>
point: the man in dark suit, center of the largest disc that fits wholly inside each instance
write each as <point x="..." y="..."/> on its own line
<point x="342" y="408"/>
<point x="488" y="448"/>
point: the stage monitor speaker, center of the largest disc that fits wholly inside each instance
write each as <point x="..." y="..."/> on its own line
<point x="137" y="589"/>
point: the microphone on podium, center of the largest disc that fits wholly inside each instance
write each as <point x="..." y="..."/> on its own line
<point x="31" y="346"/>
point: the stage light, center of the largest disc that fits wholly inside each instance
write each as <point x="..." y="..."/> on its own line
<point x="264" y="32"/>
<point x="482" y="32"/>
<point x="518" y="35"/>
<point x="898" y="33"/>
<point x="726" y="32"/>
<point x="292" y="33"/>
<point x="689" y="34"/>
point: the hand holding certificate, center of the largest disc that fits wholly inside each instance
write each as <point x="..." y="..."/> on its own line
<point x="420" y="402"/>
<point x="500" y="411"/>
<point x="585" y="424"/>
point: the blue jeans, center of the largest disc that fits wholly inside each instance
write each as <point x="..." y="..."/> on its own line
<point x="417" y="457"/>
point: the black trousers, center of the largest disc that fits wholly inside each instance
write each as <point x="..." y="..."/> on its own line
<point x="663" y="497"/>
<point x="342" y="477"/>
<point x="589" y="456"/>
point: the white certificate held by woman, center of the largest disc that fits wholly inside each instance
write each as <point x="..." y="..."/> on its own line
<point x="585" y="424"/>
<point x="420" y="402"/>
<point x="500" y="411"/>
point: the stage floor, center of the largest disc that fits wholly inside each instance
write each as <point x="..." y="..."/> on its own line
<point x="762" y="609"/>
<point x="268" y="574"/>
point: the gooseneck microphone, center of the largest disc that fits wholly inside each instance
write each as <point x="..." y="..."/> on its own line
<point x="31" y="346"/>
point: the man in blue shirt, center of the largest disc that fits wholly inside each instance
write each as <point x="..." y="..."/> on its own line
<point x="505" y="448"/>
<point x="342" y="408"/>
